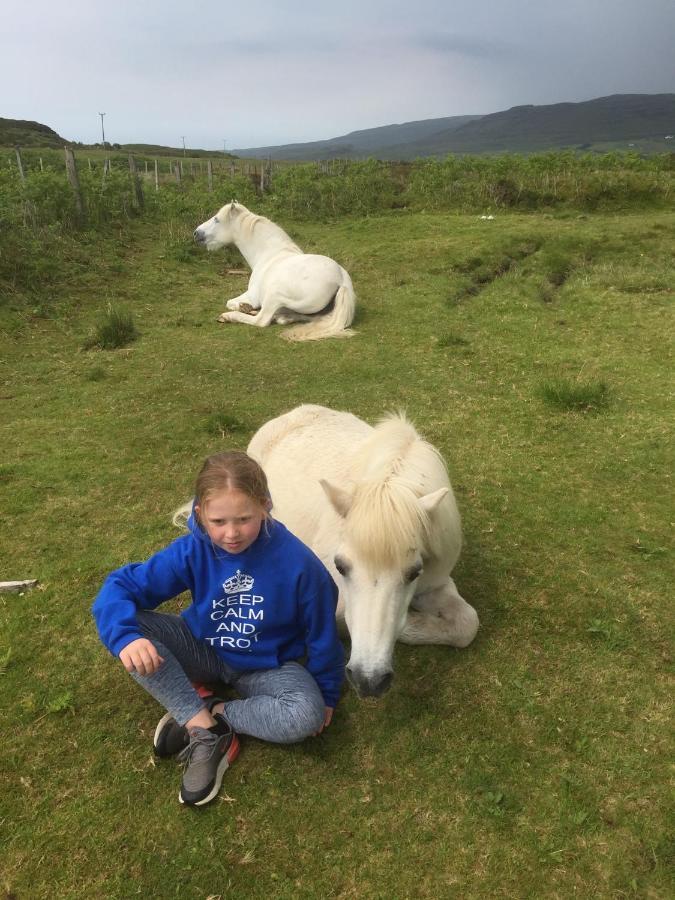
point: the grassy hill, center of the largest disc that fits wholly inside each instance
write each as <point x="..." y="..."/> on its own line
<point x="23" y="133"/>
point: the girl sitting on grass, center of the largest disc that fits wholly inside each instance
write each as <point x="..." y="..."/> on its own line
<point x="261" y="601"/>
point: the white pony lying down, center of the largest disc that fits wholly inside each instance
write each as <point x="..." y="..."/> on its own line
<point x="375" y="504"/>
<point x="286" y="285"/>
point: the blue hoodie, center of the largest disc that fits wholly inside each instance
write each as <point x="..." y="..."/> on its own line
<point x="258" y="609"/>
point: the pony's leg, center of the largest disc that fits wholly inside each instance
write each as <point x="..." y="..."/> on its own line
<point x="285" y="318"/>
<point x="263" y="318"/>
<point x="440" y="616"/>
<point x="237" y="302"/>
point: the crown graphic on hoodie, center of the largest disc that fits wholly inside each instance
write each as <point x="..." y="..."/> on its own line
<point x="238" y="583"/>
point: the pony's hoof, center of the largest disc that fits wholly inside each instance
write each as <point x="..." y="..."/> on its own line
<point x="223" y="317"/>
<point x="232" y="304"/>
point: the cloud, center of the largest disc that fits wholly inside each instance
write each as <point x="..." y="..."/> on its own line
<point x="463" y="45"/>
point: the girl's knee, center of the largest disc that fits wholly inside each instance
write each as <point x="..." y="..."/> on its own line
<point x="303" y="717"/>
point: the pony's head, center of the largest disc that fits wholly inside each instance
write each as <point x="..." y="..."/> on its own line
<point x="388" y="533"/>
<point x="220" y="230"/>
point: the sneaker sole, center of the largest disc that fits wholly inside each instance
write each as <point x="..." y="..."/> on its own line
<point x="160" y="725"/>
<point x="223" y="766"/>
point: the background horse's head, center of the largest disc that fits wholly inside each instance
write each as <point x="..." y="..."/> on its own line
<point x="220" y="230"/>
<point x="389" y="533"/>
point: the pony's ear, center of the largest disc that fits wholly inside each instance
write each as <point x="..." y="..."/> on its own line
<point x="430" y="501"/>
<point x="340" y="500"/>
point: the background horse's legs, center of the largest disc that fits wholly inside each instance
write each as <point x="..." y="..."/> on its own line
<point x="261" y="319"/>
<point x="440" y="616"/>
<point x="235" y="302"/>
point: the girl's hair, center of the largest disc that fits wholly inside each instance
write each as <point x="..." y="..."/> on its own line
<point x="232" y="470"/>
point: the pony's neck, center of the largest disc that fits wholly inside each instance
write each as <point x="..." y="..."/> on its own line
<point x="258" y="239"/>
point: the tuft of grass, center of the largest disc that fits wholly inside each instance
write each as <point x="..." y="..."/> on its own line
<point x="221" y="424"/>
<point x="96" y="374"/>
<point x="570" y="396"/>
<point x="451" y="340"/>
<point x="5" y="659"/>
<point x="116" y="329"/>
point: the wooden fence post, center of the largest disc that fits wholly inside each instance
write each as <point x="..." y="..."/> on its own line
<point x="156" y="176"/>
<point x="71" y="172"/>
<point x="209" y="174"/>
<point x="136" y="183"/>
<point x="42" y="168"/>
<point x="19" y="164"/>
<point x="178" y="172"/>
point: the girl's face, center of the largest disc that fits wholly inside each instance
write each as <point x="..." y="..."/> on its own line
<point x="231" y="519"/>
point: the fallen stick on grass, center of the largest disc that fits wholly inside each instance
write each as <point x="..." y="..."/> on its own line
<point x="16" y="586"/>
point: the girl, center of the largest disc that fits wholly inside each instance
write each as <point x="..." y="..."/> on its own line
<point x="261" y="600"/>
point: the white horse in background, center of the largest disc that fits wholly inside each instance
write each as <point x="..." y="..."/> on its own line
<point x="375" y="504"/>
<point x="286" y="285"/>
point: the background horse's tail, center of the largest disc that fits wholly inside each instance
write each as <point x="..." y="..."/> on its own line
<point x="334" y="324"/>
<point x="181" y="515"/>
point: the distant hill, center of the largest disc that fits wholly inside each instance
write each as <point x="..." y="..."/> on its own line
<point x="15" y="132"/>
<point x="159" y="150"/>
<point x="616" y="122"/>
<point x="619" y="118"/>
<point x="607" y="121"/>
<point x="25" y="134"/>
<point x="377" y="142"/>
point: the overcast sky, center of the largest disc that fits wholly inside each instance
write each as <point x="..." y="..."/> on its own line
<point x="279" y="72"/>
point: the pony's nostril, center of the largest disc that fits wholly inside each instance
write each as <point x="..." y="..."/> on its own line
<point x="369" y="685"/>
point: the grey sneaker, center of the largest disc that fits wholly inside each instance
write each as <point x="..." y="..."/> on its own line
<point x="170" y="737"/>
<point x="206" y="758"/>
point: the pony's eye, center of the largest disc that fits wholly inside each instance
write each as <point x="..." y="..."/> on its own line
<point x="412" y="573"/>
<point x="342" y="566"/>
<point x="216" y="219"/>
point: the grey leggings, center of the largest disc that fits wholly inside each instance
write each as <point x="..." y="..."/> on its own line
<point x="281" y="705"/>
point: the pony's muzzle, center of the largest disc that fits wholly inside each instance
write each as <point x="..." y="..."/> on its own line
<point x="199" y="236"/>
<point x="373" y="685"/>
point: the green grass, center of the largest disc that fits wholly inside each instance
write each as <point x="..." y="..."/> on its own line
<point x="115" y="329"/>
<point x="576" y="396"/>
<point x="534" y="763"/>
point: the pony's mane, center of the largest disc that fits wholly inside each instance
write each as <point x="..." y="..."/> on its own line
<point x="249" y="221"/>
<point x="393" y="469"/>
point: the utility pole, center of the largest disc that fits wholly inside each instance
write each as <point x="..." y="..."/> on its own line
<point x="102" y="129"/>
<point x="183" y="136"/>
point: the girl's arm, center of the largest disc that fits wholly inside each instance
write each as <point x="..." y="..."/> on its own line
<point x="325" y="654"/>
<point x="138" y="586"/>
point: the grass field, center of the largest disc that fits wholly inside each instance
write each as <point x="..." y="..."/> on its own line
<point x="533" y="351"/>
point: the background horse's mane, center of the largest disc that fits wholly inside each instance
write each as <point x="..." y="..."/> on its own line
<point x="393" y="469"/>
<point x="248" y="222"/>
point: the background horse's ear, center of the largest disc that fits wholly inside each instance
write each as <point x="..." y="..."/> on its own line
<point x="340" y="500"/>
<point x="430" y="501"/>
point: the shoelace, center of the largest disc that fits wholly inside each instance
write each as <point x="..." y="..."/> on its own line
<point x="200" y="748"/>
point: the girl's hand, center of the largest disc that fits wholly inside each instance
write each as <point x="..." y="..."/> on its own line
<point x="141" y="656"/>
<point x="327" y="718"/>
